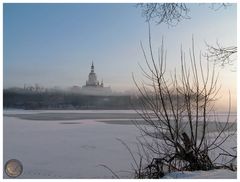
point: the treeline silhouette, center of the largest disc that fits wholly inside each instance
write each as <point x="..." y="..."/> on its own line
<point x="64" y="100"/>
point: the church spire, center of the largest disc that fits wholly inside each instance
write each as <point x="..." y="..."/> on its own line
<point x="92" y="68"/>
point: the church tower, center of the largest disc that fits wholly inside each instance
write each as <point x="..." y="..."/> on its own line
<point x="93" y="86"/>
<point x="92" y="78"/>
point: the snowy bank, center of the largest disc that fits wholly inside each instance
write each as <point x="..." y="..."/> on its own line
<point x="213" y="174"/>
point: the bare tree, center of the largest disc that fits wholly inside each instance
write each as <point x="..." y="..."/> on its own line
<point x="220" y="54"/>
<point x="218" y="6"/>
<point x="171" y="13"/>
<point x="177" y="110"/>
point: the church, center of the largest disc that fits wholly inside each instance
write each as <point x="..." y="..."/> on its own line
<point x="93" y="87"/>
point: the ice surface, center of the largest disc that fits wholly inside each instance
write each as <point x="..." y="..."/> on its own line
<point x="68" y="148"/>
<point x="59" y="150"/>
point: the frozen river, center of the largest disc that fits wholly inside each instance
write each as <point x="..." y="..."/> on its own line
<point x="70" y="144"/>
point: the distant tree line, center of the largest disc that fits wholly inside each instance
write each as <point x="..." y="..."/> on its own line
<point x="64" y="100"/>
<point x="31" y="99"/>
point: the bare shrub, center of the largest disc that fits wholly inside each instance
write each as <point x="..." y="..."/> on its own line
<point x="177" y="110"/>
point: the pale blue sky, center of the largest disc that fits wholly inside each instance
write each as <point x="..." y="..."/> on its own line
<point x="54" y="44"/>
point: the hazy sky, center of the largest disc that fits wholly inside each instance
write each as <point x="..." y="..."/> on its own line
<point x="54" y="44"/>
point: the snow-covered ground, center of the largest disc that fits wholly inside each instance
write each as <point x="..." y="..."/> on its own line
<point x="72" y="148"/>
<point x="213" y="174"/>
